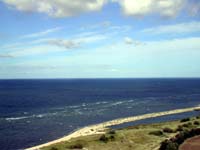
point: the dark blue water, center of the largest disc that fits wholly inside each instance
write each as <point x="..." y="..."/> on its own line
<point x="36" y="111"/>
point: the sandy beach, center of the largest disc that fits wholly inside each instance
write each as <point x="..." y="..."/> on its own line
<point x="100" y="128"/>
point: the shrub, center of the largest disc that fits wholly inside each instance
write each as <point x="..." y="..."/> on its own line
<point x="76" y="146"/>
<point x="157" y="133"/>
<point x="197" y="117"/>
<point x="186" y="125"/>
<point x="185" y="120"/>
<point x="112" y="137"/>
<point x="173" y="143"/>
<point x="103" y="138"/>
<point x="196" y="123"/>
<point x="195" y="132"/>
<point x="168" y="130"/>
<point x="179" y="138"/>
<point x="53" y="148"/>
<point x="164" y="145"/>
<point x="172" y="146"/>
<point x="179" y="128"/>
<point x="111" y="132"/>
<point x="187" y="134"/>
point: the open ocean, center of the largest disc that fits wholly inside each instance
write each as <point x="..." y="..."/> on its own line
<point x="37" y="111"/>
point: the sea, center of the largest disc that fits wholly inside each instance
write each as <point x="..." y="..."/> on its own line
<point x="35" y="111"/>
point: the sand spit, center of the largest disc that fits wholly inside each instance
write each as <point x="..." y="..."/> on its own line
<point x="100" y="128"/>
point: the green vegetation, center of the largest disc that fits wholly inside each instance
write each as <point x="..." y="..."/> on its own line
<point x="157" y="133"/>
<point x="111" y="132"/>
<point x="196" y="123"/>
<point x="106" y="138"/>
<point x="53" y="148"/>
<point x="103" y="138"/>
<point x="141" y="137"/>
<point x="168" y="130"/>
<point x="176" y="141"/>
<point x="76" y="146"/>
<point x="185" y="120"/>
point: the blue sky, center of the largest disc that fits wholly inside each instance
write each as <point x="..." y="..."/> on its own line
<point x="99" y="38"/>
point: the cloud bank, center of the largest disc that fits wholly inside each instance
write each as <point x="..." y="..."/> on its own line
<point x="57" y="8"/>
<point x="67" y="8"/>
<point x="166" y="8"/>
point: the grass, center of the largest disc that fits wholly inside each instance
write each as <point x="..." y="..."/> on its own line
<point x="141" y="137"/>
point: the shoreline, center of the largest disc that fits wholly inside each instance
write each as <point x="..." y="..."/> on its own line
<point x="101" y="127"/>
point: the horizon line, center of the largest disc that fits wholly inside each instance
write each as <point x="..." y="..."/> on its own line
<point x="100" y="78"/>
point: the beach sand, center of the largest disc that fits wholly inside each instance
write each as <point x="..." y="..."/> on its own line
<point x="101" y="127"/>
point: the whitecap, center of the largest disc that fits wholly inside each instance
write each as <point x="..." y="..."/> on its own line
<point x="130" y="101"/>
<point x="117" y="103"/>
<point x="40" y="115"/>
<point x="16" y="118"/>
<point x="74" y="106"/>
<point x="84" y="104"/>
<point x="103" y="102"/>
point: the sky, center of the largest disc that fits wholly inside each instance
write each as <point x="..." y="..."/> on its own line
<point x="99" y="38"/>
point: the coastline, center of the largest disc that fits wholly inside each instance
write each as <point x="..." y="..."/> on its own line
<point x="101" y="127"/>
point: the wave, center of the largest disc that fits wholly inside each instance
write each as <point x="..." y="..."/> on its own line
<point x="28" y="117"/>
<point x="96" y="108"/>
<point x="117" y="103"/>
<point x="15" y="118"/>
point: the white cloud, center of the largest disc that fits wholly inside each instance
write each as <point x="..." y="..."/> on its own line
<point x="130" y="41"/>
<point x="6" y="56"/>
<point x="49" y="45"/>
<point x="36" y="50"/>
<point x="166" y="8"/>
<point x="68" y="44"/>
<point x="57" y="8"/>
<point x="42" y="33"/>
<point x="114" y="70"/>
<point x="104" y="24"/>
<point x="67" y="8"/>
<point x="194" y="7"/>
<point x="90" y="37"/>
<point x="78" y="40"/>
<point x="20" y="45"/>
<point x="34" y="67"/>
<point x="180" y="45"/>
<point x="165" y="58"/>
<point x="181" y="28"/>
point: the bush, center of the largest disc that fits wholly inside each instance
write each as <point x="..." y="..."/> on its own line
<point x="187" y="125"/>
<point x="179" y="128"/>
<point x="164" y="144"/>
<point x="172" y="146"/>
<point x="157" y="133"/>
<point x="103" y="138"/>
<point x="196" y="123"/>
<point x="76" y="146"/>
<point x="111" y="132"/>
<point x="179" y="138"/>
<point x="112" y="138"/>
<point x="185" y="120"/>
<point x="195" y="132"/>
<point x="53" y="148"/>
<point x="173" y="143"/>
<point x="168" y="130"/>
<point x="197" y="117"/>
